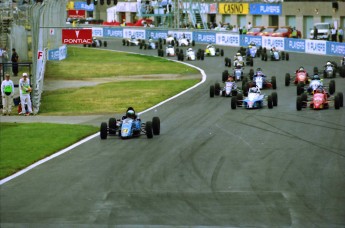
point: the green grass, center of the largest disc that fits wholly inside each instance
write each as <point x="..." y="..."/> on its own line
<point x="111" y="97"/>
<point x="83" y="63"/>
<point x="21" y="146"/>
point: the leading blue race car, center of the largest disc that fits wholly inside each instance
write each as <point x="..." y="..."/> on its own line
<point x="130" y="127"/>
<point x="254" y="100"/>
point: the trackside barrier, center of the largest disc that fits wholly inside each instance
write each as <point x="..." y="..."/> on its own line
<point x="224" y="38"/>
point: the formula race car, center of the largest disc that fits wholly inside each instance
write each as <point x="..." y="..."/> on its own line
<point x="184" y="42"/>
<point x="254" y="100"/>
<point x="319" y="99"/>
<point x="169" y="50"/>
<point x="238" y="73"/>
<point x="301" y="76"/>
<point x="150" y="45"/>
<point x="260" y="81"/>
<point x="278" y="55"/>
<point x="130" y="127"/>
<point x="229" y="89"/>
<point x="170" y="40"/>
<point x="190" y="54"/>
<point x="211" y="50"/>
<point x="96" y="43"/>
<point x="132" y="41"/>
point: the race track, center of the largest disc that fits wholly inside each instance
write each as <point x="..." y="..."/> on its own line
<point x="211" y="166"/>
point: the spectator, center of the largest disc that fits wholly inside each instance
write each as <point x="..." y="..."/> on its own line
<point x="315" y="33"/>
<point x="25" y="90"/>
<point x="7" y="92"/>
<point x="340" y="35"/>
<point x="14" y="59"/>
<point x="244" y="30"/>
<point x="234" y="29"/>
<point x="294" y="33"/>
<point x="334" y="34"/>
<point x="249" y="26"/>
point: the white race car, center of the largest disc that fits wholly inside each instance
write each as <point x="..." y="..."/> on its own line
<point x="170" y="51"/>
<point x="190" y="54"/>
<point x="131" y="41"/>
<point x="213" y="51"/>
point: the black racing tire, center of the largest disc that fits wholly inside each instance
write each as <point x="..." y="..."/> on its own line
<point x="123" y="42"/>
<point x="287" y="56"/>
<point x="266" y="57"/>
<point x="244" y="81"/>
<point x="251" y="74"/>
<point x="103" y="130"/>
<point x="198" y="55"/>
<point x="164" y="42"/>
<point x="226" y="60"/>
<point x="212" y="90"/>
<point x="315" y="70"/>
<point x="239" y="97"/>
<point x="341" y="98"/>
<point x="193" y="43"/>
<point x="172" y="43"/>
<point x="264" y="50"/>
<point x="274" y="82"/>
<point x="221" y="52"/>
<point x="145" y="46"/>
<point x="217" y="88"/>
<point x="336" y="102"/>
<point x="233" y="102"/>
<point x="245" y="89"/>
<point x="269" y="102"/>
<point x="160" y="40"/>
<point x="105" y="43"/>
<point x="299" y="103"/>
<point x="140" y="46"/>
<point x="300" y="88"/>
<point x="275" y="98"/>
<point x="283" y="55"/>
<point x="251" y="62"/>
<point x="159" y="52"/>
<point x="225" y="75"/>
<point x="156" y="125"/>
<point x="112" y="126"/>
<point x="148" y="129"/>
<point x="127" y="43"/>
<point x="331" y="87"/>
<point x="287" y="79"/>
<point x="181" y="56"/>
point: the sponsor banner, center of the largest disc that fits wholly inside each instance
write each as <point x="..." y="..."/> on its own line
<point x="233" y="8"/>
<point x="137" y="33"/>
<point x="204" y="37"/>
<point x="270" y="42"/>
<point x="76" y="36"/>
<point x="213" y="8"/>
<point x="265" y="9"/>
<point x="97" y="31"/>
<point x="156" y="34"/>
<point x="178" y="34"/>
<point x="126" y="7"/>
<point x="334" y="48"/>
<point x="246" y="40"/>
<point x="76" y="13"/>
<point x="202" y="7"/>
<point x="228" y="39"/>
<point x="294" y="45"/>
<point x="83" y="6"/>
<point x="113" y="32"/>
<point x="57" y="54"/>
<point x="315" y="46"/>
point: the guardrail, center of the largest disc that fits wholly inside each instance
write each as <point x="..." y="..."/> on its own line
<point x="225" y="38"/>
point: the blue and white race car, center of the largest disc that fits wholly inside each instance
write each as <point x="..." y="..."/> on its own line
<point x="254" y="100"/>
<point x="130" y="126"/>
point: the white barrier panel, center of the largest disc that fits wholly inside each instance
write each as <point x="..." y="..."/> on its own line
<point x="315" y="47"/>
<point x="228" y="39"/>
<point x="179" y="34"/>
<point x="97" y="31"/>
<point x="270" y="42"/>
<point x="138" y="33"/>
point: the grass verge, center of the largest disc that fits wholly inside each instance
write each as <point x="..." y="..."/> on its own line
<point x="26" y="148"/>
<point x="85" y="63"/>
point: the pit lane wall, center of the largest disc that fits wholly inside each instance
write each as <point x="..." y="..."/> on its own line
<point x="225" y="38"/>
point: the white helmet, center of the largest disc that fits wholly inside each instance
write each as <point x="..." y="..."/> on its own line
<point x="190" y="49"/>
<point x="238" y="54"/>
<point x="329" y="63"/>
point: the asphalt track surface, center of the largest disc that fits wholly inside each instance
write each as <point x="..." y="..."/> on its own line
<point x="210" y="167"/>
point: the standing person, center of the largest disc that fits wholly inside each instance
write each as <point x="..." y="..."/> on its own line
<point x="294" y="33"/>
<point x="24" y="90"/>
<point x="249" y="26"/>
<point x="14" y="59"/>
<point x="7" y="92"/>
<point x="315" y="33"/>
<point x="334" y="34"/>
<point x="340" y="35"/>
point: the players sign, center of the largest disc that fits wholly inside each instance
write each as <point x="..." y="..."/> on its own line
<point x="77" y="36"/>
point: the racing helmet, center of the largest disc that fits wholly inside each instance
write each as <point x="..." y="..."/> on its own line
<point x="301" y="68"/>
<point x="238" y="54"/>
<point x="328" y="63"/>
<point x="316" y="77"/>
<point x="170" y="46"/>
<point x="253" y="90"/>
<point x="131" y="114"/>
<point x="190" y="49"/>
<point x="250" y="46"/>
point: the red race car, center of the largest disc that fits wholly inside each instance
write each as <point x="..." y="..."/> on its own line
<point x="320" y="99"/>
<point x="286" y="31"/>
<point x="255" y="30"/>
<point x="301" y="76"/>
<point x="268" y="31"/>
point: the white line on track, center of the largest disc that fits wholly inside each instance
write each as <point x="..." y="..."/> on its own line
<point x="3" y="181"/>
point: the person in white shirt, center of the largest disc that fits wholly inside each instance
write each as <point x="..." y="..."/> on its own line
<point x="7" y="92"/>
<point x="249" y="26"/>
<point x="25" y="90"/>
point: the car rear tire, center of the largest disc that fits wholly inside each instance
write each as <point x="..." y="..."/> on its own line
<point x="221" y="52"/>
<point x="212" y="90"/>
<point x="287" y="56"/>
<point x="274" y="82"/>
<point x="287" y="79"/>
<point x="331" y="87"/>
<point x="225" y="75"/>
<point x="274" y="98"/>
<point x="103" y="130"/>
<point x="233" y="102"/>
<point x="112" y="126"/>
<point x="300" y="88"/>
<point x="148" y="129"/>
<point x="156" y="125"/>
<point x="217" y="88"/>
<point x="341" y="99"/>
<point x="336" y="102"/>
<point x="269" y="102"/>
<point x="299" y="103"/>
